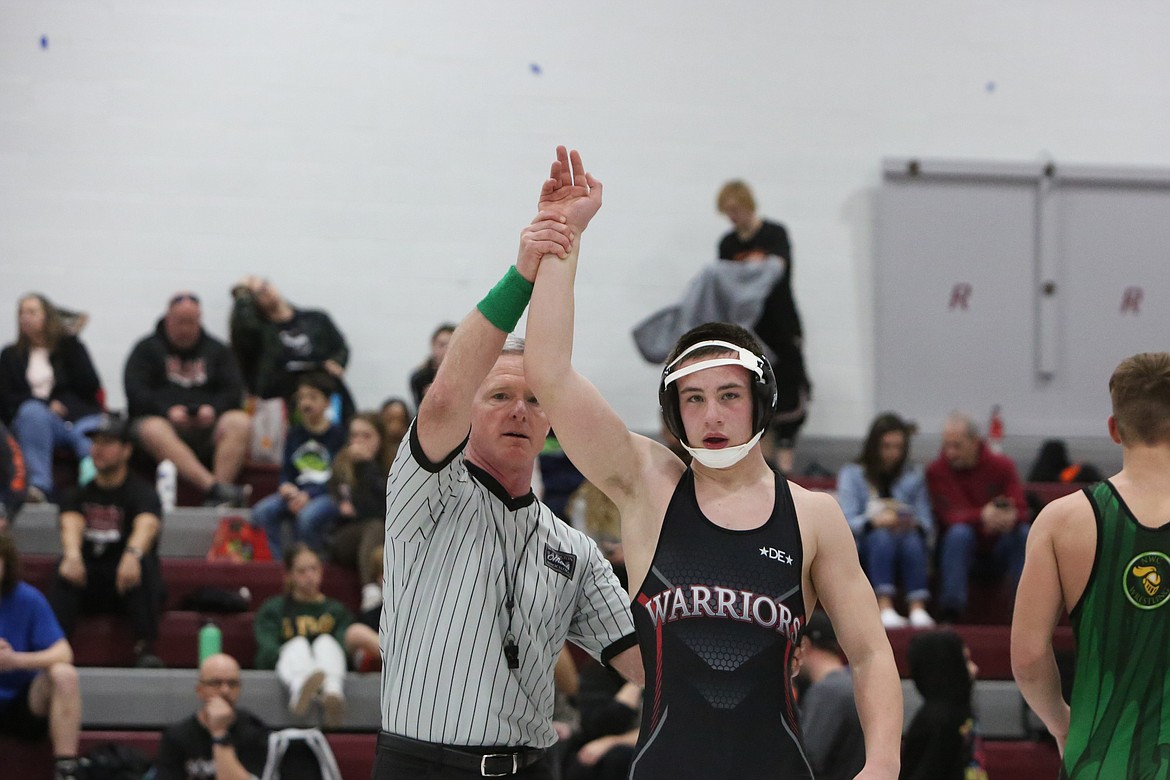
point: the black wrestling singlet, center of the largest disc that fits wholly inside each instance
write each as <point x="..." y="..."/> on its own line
<point x="717" y="620"/>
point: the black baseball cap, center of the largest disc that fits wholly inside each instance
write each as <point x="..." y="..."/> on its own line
<point x="112" y="425"/>
<point x="819" y="630"/>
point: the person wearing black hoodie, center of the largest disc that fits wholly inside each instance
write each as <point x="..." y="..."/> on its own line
<point x="183" y="390"/>
<point x="943" y="741"/>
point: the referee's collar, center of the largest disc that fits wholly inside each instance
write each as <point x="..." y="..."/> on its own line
<point x="496" y="489"/>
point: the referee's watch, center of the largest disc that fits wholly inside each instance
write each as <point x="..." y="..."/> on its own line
<point x="224" y="740"/>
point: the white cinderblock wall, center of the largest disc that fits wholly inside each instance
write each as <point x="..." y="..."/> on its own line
<point x="377" y="159"/>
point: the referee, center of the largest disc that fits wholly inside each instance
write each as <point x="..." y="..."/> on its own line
<point x="483" y="584"/>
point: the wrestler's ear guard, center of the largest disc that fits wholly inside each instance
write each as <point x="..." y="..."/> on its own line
<point x="763" y="389"/>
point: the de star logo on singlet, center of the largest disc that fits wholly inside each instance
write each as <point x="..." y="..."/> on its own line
<point x="776" y="555"/>
<point x="1145" y="580"/>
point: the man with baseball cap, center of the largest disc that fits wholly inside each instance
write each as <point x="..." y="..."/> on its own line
<point x="828" y="712"/>
<point x="109" y="531"/>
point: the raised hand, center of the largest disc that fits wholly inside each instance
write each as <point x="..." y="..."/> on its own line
<point x="570" y="191"/>
<point x="549" y="234"/>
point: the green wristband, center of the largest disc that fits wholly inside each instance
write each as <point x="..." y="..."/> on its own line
<point x="505" y="303"/>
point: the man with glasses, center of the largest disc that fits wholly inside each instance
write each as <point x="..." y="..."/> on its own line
<point x="184" y="390"/>
<point x="220" y="740"/>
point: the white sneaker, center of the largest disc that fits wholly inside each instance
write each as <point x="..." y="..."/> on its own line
<point x="891" y="619"/>
<point x="920" y="618"/>
<point x="299" y="701"/>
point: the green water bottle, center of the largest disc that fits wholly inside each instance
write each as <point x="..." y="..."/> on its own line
<point x="210" y="640"/>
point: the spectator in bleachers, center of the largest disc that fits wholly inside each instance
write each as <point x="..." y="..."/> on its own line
<point x="109" y="532"/>
<point x="832" y="732"/>
<point x="422" y="377"/>
<point x="220" y="741"/>
<point x="942" y="741"/>
<point x="183" y="390"/>
<point x="361" y="638"/>
<point x="396" y="419"/>
<point x="1054" y="465"/>
<point x="885" y="500"/>
<point x="603" y="746"/>
<point x="980" y="508"/>
<point x="358" y="486"/>
<point x="752" y="239"/>
<point x="309" y="452"/>
<point x="39" y="690"/>
<point x="275" y="342"/>
<point x="301" y="635"/>
<point x="49" y="392"/>
<point x="590" y="510"/>
<point x="13" y="478"/>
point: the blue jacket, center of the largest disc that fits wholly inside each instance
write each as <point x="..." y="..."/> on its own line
<point x="854" y="494"/>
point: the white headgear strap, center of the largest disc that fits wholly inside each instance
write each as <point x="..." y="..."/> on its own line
<point x="744" y="357"/>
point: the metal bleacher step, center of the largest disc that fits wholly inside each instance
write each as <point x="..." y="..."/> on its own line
<point x="153" y="698"/>
<point x="187" y="531"/>
<point x="156" y="698"/>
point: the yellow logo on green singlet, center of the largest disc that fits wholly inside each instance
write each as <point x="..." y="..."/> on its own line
<point x="1147" y="580"/>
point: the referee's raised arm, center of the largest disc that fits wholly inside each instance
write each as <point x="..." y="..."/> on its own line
<point x="444" y="417"/>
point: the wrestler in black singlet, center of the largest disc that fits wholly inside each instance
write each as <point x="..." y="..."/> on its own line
<point x="717" y="620"/>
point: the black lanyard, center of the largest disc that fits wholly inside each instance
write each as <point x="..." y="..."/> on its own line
<point x="511" y="649"/>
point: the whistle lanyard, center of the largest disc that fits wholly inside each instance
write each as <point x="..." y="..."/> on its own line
<point x="511" y="649"/>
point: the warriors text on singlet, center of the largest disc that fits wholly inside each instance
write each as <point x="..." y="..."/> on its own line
<point x="1120" y="724"/>
<point x="717" y="617"/>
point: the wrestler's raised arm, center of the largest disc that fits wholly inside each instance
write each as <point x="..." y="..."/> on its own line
<point x="444" y="417"/>
<point x="593" y="435"/>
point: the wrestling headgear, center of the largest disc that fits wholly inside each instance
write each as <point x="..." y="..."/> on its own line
<point x="763" y="390"/>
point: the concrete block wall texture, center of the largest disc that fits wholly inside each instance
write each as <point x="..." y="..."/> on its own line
<point x="379" y="159"/>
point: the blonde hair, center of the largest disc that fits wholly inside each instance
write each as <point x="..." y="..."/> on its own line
<point x="735" y="193"/>
<point x="603" y="521"/>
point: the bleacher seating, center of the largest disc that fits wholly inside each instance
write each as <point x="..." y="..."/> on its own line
<point x="263" y="478"/>
<point x="182" y="576"/>
<point x="989" y="647"/>
<point x="1021" y="760"/>
<point x="187" y="531"/>
<point x="102" y="646"/>
<point x="105" y="640"/>
<point x="1006" y="759"/>
<point x="354" y="752"/>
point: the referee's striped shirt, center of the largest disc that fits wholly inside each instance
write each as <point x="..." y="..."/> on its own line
<point x="450" y="528"/>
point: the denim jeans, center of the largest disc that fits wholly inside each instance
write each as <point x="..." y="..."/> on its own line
<point x="309" y="525"/>
<point x="960" y="550"/>
<point x="39" y="431"/>
<point x="883" y="551"/>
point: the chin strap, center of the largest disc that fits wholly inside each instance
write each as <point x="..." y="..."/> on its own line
<point x="726" y="457"/>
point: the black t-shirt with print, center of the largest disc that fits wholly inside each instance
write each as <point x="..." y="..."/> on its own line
<point x="109" y="514"/>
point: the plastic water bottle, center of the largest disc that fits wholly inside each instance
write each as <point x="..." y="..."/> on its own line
<point x="210" y="641"/>
<point x="167" y="485"/>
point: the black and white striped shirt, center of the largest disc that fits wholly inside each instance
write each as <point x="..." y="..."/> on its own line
<point x="450" y="530"/>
